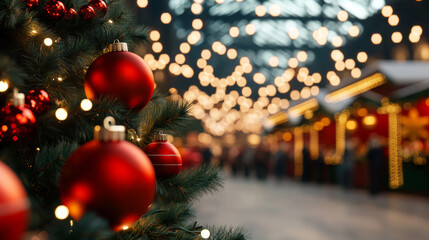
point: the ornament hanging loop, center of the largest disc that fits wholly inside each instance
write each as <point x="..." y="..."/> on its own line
<point x="118" y="46"/>
<point x="108" y="122"/>
<point x="109" y="131"/>
<point x="18" y="99"/>
<point x="161" y="136"/>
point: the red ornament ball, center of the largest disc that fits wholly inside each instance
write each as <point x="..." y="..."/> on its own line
<point x="115" y="179"/>
<point x="121" y="74"/>
<point x="16" y="123"/>
<point x="165" y="158"/>
<point x="38" y="101"/>
<point x="14" y="205"/>
<point x="31" y="3"/>
<point x="70" y="14"/>
<point x="86" y="12"/>
<point x="99" y="7"/>
<point x="54" y="9"/>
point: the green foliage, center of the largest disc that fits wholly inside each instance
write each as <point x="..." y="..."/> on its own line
<point x="188" y="186"/>
<point x="166" y="115"/>
<point x="27" y="63"/>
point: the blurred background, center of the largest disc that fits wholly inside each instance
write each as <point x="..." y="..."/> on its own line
<point x="317" y="111"/>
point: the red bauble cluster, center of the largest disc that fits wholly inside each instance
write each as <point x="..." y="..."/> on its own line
<point x="70" y="14"/>
<point x="99" y="7"/>
<point x="120" y="74"/>
<point x="31" y="3"/>
<point x="17" y="123"/>
<point x="165" y="157"/>
<point x="109" y="176"/>
<point x="38" y="101"/>
<point x="54" y="9"/>
<point x="86" y="12"/>
<point x="14" y="205"/>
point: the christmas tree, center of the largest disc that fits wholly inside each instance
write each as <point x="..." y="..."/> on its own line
<point x="47" y="48"/>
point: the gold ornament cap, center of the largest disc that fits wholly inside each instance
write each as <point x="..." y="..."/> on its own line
<point x="110" y="131"/>
<point x="18" y="98"/>
<point x="118" y="46"/>
<point x="161" y="137"/>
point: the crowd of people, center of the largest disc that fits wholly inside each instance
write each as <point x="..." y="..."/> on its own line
<point x="362" y="165"/>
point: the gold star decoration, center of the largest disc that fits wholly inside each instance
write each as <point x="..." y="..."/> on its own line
<point x="414" y="126"/>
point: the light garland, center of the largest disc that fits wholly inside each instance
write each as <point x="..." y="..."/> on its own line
<point x="396" y="178"/>
<point x="340" y="134"/>
<point x="314" y="143"/>
<point x="356" y="88"/>
<point x="298" y="148"/>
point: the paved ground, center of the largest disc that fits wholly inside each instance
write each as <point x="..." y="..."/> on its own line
<point x="292" y="210"/>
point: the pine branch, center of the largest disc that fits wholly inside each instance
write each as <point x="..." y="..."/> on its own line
<point x="189" y="185"/>
<point x="167" y="115"/>
<point x="225" y="233"/>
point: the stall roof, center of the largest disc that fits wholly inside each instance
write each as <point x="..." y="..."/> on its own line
<point x="403" y="79"/>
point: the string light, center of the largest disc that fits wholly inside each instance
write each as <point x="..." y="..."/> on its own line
<point x="314" y="143"/>
<point x="376" y="38"/>
<point x="337" y="55"/>
<point x="396" y="178"/>
<point x="273" y="61"/>
<point x="293" y="33"/>
<point x="61" y="212"/>
<point x="396" y="37"/>
<point x="393" y="20"/>
<point x="206" y="54"/>
<point x="86" y="104"/>
<point x="354" y="31"/>
<point x="350" y="63"/>
<point x="48" y="41"/>
<point x="234" y="32"/>
<point x="142" y="3"/>
<point x="259" y="78"/>
<point x="231" y="53"/>
<point x="356" y="73"/>
<point x="387" y="11"/>
<point x="185" y="48"/>
<point x="110" y="21"/>
<point x="194" y="37"/>
<point x="337" y="41"/>
<point x="196" y="8"/>
<point x="197" y="24"/>
<point x="362" y="57"/>
<point x="293" y="62"/>
<point x="369" y="121"/>
<point x="275" y="10"/>
<point x="4" y="85"/>
<point x="250" y="29"/>
<point x="61" y="114"/>
<point x="166" y="18"/>
<point x="157" y="47"/>
<point x="260" y="11"/>
<point x="298" y="148"/>
<point x="342" y="16"/>
<point x="302" y="56"/>
<point x="154" y="35"/>
<point x="356" y="88"/>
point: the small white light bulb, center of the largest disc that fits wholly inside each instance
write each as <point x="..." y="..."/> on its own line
<point x="3" y="86"/>
<point x="61" y="114"/>
<point x="86" y="104"/>
<point x="48" y="42"/>
<point x="205" y="233"/>
<point x="61" y="212"/>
